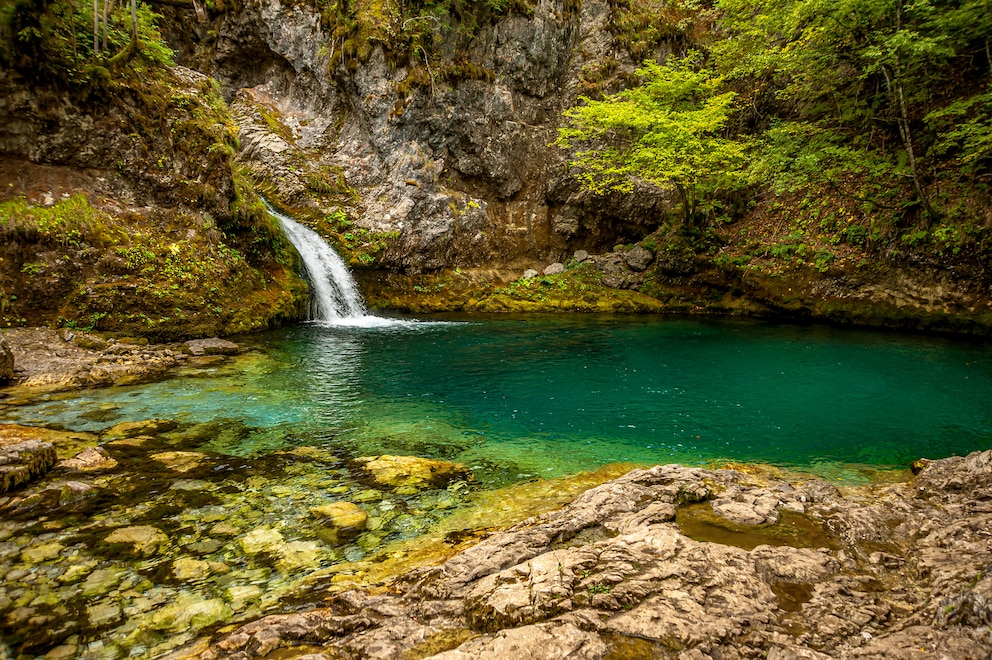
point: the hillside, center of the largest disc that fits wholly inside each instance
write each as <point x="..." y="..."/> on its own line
<point x="420" y="139"/>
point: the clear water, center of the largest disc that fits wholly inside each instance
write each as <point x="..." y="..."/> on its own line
<point x="513" y="398"/>
<point x="548" y="396"/>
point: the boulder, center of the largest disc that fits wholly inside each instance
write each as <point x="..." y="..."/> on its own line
<point x="212" y="346"/>
<point x="408" y="474"/>
<point x="23" y="460"/>
<point x="638" y="258"/>
<point x="89" y="460"/>
<point x="580" y="256"/>
<point x="529" y="274"/>
<point x="6" y="362"/>
<point x="342" y="516"/>
<point x="556" y="268"/>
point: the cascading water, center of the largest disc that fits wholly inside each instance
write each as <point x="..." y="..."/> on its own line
<point x="334" y="296"/>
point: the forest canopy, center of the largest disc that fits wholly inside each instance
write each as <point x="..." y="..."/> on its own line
<point x="886" y="104"/>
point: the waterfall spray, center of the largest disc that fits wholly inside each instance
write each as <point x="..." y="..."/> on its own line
<point x="334" y="294"/>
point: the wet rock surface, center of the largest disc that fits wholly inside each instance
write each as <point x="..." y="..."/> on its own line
<point x="409" y="474"/>
<point x="22" y="459"/>
<point x="66" y="359"/>
<point x="894" y="571"/>
<point x="6" y="362"/>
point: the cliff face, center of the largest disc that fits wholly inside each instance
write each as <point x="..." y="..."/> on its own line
<point x="443" y="163"/>
<point x="121" y="211"/>
<point x="459" y="167"/>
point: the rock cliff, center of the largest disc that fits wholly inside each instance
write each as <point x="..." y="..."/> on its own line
<point x="439" y="160"/>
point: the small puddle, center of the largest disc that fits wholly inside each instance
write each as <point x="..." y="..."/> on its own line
<point x="792" y="595"/>
<point x="797" y="530"/>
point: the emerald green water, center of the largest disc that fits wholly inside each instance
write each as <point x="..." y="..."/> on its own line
<point x="547" y="396"/>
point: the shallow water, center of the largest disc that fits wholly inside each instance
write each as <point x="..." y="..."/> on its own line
<point x="262" y="440"/>
<point x="552" y="396"/>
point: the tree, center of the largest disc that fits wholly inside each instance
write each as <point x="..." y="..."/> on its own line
<point x="861" y="75"/>
<point x="666" y="131"/>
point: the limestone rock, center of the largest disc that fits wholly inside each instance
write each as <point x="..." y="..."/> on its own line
<point x="614" y="574"/>
<point x="344" y="519"/>
<point x="23" y="460"/>
<point x="581" y="256"/>
<point x="6" y="362"/>
<point x="145" y="540"/>
<point x="411" y="473"/>
<point x="179" y="461"/>
<point x="966" y="475"/>
<point x="529" y="274"/>
<point x="66" y="443"/>
<point x="213" y="346"/>
<point x="549" y="641"/>
<point x="556" y="268"/>
<point x="639" y="258"/>
<point x="90" y="459"/>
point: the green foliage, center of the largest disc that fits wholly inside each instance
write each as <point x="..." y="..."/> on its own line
<point x="862" y="98"/>
<point x="67" y="223"/>
<point x="51" y="42"/>
<point x="964" y="130"/>
<point x="667" y="131"/>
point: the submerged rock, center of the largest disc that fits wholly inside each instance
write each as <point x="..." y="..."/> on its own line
<point x="262" y="539"/>
<point x="179" y="461"/>
<point x="144" y="540"/>
<point x="409" y="474"/>
<point x="340" y="520"/>
<point x="144" y="427"/>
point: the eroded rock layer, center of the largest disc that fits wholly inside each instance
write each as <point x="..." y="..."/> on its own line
<point x="688" y="563"/>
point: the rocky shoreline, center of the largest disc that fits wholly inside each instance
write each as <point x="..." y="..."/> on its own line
<point x="676" y="562"/>
<point x="67" y="359"/>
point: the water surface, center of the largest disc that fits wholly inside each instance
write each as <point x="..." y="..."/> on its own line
<point x="547" y="396"/>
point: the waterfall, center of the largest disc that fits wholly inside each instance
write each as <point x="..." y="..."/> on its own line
<point x="334" y="295"/>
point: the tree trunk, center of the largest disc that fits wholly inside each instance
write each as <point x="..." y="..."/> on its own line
<point x="96" y="28"/>
<point x="106" y="13"/>
<point x="134" y="20"/>
<point x="894" y="85"/>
